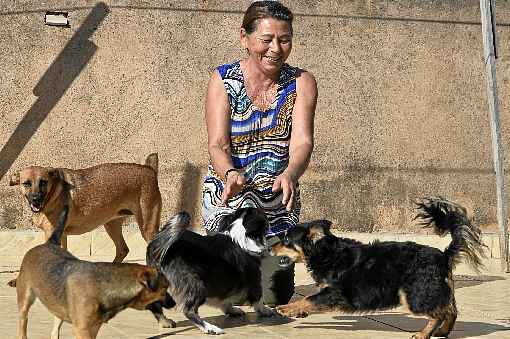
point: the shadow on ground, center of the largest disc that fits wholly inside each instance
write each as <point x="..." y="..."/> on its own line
<point x="226" y="322"/>
<point x="406" y="323"/>
<point x="473" y="280"/>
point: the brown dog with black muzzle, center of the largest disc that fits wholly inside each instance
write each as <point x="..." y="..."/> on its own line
<point x="83" y="293"/>
<point x="101" y="195"/>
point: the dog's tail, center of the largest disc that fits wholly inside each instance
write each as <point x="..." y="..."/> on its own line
<point x="59" y="230"/>
<point x="152" y="161"/>
<point x="446" y="216"/>
<point x="159" y="246"/>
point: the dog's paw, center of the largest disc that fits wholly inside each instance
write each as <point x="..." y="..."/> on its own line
<point x="419" y="335"/>
<point x="167" y="323"/>
<point x="235" y="312"/>
<point x="265" y="311"/>
<point x="293" y="310"/>
<point x="211" y="329"/>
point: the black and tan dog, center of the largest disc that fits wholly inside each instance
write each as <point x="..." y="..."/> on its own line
<point x="355" y="277"/>
<point x="83" y="293"/>
<point x="100" y="195"/>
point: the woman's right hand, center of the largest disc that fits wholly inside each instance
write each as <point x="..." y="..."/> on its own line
<point x="235" y="182"/>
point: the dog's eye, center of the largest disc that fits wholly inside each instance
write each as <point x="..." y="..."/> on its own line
<point x="43" y="183"/>
<point x="27" y="184"/>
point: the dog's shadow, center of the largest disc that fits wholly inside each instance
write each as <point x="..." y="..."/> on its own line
<point x="225" y="322"/>
<point x="401" y="322"/>
<point x="461" y="281"/>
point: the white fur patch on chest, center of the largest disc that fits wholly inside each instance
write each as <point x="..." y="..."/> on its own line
<point x="238" y="234"/>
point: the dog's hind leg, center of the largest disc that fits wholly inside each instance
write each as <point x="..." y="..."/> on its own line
<point x="449" y="321"/>
<point x="148" y="217"/>
<point x="114" y="230"/>
<point x="431" y="326"/>
<point x="191" y="312"/>
<point x="55" y="332"/>
<point x="26" y="299"/>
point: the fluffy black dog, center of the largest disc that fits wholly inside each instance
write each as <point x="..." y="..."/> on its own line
<point x="356" y="277"/>
<point x="212" y="269"/>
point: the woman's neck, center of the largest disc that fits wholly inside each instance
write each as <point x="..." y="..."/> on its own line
<point x="256" y="76"/>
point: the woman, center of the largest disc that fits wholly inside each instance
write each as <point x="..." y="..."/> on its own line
<point x="259" y="116"/>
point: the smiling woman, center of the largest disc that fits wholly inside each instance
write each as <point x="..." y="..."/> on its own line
<point x="259" y="116"/>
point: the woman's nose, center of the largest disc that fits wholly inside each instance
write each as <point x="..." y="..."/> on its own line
<point x="276" y="46"/>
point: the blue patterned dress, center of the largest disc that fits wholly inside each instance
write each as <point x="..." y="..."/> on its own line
<point x="259" y="142"/>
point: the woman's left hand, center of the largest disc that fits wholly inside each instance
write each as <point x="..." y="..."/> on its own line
<point x="287" y="185"/>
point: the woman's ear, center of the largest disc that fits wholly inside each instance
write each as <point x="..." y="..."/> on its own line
<point x="243" y="35"/>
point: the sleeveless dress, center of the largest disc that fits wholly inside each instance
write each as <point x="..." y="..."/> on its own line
<point x="259" y="142"/>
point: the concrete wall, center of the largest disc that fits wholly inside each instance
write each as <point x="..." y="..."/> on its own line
<point x="402" y="110"/>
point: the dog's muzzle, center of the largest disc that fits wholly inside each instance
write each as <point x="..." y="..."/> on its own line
<point x="285" y="262"/>
<point x="36" y="202"/>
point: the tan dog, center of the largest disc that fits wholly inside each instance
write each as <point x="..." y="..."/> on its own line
<point x="83" y="293"/>
<point x="100" y="195"/>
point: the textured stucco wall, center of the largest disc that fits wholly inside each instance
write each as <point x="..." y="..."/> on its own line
<point x="402" y="109"/>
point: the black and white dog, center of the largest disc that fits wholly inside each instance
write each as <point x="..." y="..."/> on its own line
<point x="211" y="269"/>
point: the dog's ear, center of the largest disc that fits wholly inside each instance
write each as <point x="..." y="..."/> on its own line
<point x="151" y="279"/>
<point x="59" y="175"/>
<point x="318" y="229"/>
<point x="14" y="180"/>
<point x="56" y="174"/>
<point x="227" y="221"/>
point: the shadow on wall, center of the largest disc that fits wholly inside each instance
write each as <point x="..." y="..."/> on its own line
<point x="189" y="191"/>
<point x="357" y="191"/>
<point x="53" y="84"/>
<point x="365" y="197"/>
<point x="8" y="212"/>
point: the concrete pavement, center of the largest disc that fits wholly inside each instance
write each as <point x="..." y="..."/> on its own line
<point x="483" y="301"/>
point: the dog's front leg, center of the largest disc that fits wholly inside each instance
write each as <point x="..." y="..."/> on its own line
<point x="55" y="332"/>
<point x="328" y="298"/>
<point x="81" y="332"/>
<point x="262" y="310"/>
<point x="157" y="310"/>
<point x="232" y="311"/>
<point x="26" y="299"/>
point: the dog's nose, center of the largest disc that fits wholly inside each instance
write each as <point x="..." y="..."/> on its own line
<point x="38" y="197"/>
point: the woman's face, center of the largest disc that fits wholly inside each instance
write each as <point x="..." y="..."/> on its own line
<point x="270" y="45"/>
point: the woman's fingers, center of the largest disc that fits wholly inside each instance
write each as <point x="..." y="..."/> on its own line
<point x="234" y="185"/>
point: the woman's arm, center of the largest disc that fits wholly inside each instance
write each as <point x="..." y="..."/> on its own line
<point x="301" y="138"/>
<point x="217" y="117"/>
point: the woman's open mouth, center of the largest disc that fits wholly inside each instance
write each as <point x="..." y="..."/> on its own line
<point x="273" y="59"/>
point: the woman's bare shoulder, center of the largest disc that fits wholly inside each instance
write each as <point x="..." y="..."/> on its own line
<point x="305" y="81"/>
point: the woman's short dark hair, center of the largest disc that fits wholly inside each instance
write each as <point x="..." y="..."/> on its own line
<point x="263" y="10"/>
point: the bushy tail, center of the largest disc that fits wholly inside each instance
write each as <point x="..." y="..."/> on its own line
<point x="166" y="237"/>
<point x="446" y="216"/>
<point x="152" y="161"/>
<point x="59" y="230"/>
